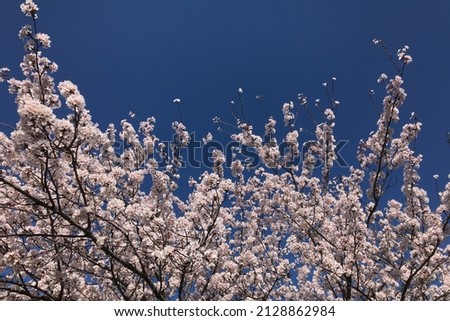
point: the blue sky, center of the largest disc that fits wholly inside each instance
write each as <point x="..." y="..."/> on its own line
<point x="139" y="55"/>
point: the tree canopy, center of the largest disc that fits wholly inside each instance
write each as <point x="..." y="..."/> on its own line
<point x="87" y="214"/>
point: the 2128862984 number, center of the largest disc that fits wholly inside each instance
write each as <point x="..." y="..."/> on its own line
<point x="295" y="311"/>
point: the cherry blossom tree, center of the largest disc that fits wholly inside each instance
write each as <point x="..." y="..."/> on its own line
<point x="81" y="219"/>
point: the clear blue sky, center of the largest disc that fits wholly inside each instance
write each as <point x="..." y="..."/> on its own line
<point x="141" y="54"/>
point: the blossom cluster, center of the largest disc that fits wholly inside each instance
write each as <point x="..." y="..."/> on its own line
<point x="29" y="8"/>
